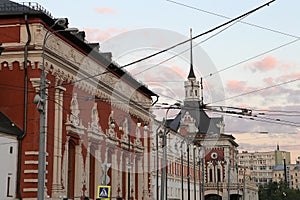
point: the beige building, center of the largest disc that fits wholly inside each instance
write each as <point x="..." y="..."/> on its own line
<point x="262" y="164"/>
<point x="292" y="175"/>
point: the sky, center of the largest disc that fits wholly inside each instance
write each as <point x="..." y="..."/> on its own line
<point x="252" y="63"/>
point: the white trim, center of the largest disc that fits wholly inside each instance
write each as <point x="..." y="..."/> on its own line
<point x="31" y="162"/>
<point x="28" y="171"/>
<point x="30" y="190"/>
<point x="32" y="153"/>
<point x="30" y="180"/>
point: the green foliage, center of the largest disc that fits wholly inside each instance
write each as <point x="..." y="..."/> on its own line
<point x="278" y="191"/>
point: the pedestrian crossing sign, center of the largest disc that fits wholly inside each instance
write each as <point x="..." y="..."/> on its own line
<point x="103" y="192"/>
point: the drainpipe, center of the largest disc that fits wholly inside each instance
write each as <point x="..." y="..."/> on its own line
<point x="20" y="138"/>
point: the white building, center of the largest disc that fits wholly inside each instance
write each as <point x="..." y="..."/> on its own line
<point x="9" y="133"/>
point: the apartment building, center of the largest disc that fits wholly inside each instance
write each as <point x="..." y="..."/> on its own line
<point x="262" y="164"/>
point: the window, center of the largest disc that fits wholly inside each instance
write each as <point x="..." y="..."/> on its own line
<point x="219" y="175"/>
<point x="210" y="175"/>
<point x="8" y="192"/>
<point x="10" y="149"/>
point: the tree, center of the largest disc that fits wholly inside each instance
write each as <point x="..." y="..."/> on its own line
<point x="278" y="191"/>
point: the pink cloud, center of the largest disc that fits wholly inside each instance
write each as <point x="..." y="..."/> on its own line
<point x="236" y="86"/>
<point x="105" y="11"/>
<point x="267" y="64"/>
<point x="269" y="81"/>
<point x="94" y="34"/>
<point x="288" y="77"/>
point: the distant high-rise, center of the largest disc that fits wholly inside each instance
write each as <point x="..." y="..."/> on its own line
<point x="261" y="164"/>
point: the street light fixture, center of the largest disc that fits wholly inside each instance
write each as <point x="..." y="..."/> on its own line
<point x="41" y="101"/>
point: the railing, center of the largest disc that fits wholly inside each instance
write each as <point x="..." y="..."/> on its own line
<point x="23" y="6"/>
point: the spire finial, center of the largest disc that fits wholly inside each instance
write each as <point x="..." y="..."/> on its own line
<point x="191" y="74"/>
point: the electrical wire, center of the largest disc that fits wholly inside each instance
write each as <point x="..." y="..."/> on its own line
<point x="257" y="90"/>
<point x="223" y="16"/>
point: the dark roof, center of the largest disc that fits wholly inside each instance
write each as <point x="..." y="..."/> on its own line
<point x="8" y="127"/>
<point x="191" y="74"/>
<point x="204" y="123"/>
<point x="10" y="9"/>
<point x="281" y="167"/>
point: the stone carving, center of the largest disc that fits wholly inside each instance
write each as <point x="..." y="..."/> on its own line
<point x="74" y="124"/>
<point x="111" y="126"/>
<point x="74" y="117"/>
<point x="94" y="125"/>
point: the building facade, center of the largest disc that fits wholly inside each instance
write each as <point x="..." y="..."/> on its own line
<point x="262" y="164"/>
<point x="97" y="117"/>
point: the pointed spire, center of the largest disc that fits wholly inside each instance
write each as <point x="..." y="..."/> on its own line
<point x="191" y="74"/>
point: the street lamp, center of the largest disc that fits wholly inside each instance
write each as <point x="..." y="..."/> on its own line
<point x="164" y="160"/>
<point x="201" y="156"/>
<point x="41" y="101"/>
<point x="188" y="172"/>
<point x="182" y="191"/>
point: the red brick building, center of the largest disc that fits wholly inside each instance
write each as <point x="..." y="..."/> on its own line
<point x="97" y="115"/>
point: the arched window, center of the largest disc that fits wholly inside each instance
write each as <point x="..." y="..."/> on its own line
<point x="210" y="175"/>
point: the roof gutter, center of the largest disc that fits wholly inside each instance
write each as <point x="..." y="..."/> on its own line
<point x="20" y="138"/>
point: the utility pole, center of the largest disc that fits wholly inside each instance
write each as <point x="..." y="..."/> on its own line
<point x="182" y="191"/>
<point x="129" y="168"/>
<point x="157" y="166"/>
<point x="188" y="168"/>
<point x="195" y="196"/>
<point x="244" y="183"/>
<point x="228" y="186"/>
<point x="203" y="174"/>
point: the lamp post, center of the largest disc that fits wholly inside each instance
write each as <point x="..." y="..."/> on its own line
<point x="41" y="100"/>
<point x="164" y="195"/>
<point x="182" y="191"/>
<point x="129" y="168"/>
<point x="188" y="168"/>
<point x="203" y="172"/>
<point x="194" y="149"/>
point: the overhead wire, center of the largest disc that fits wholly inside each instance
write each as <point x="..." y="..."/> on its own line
<point x="257" y="90"/>
<point x="225" y="17"/>
<point x="176" y="45"/>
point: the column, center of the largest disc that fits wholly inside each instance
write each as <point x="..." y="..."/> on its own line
<point x="57" y="188"/>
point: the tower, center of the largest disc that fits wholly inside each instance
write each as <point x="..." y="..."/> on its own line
<point x="191" y="86"/>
